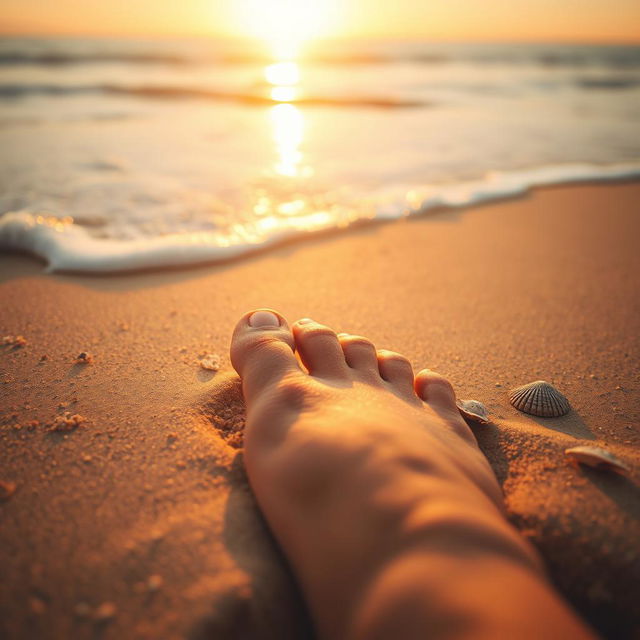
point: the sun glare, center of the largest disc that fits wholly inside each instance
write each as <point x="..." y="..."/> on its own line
<point x="285" y="25"/>
<point x="283" y="76"/>
<point x="288" y="133"/>
<point x="282" y="73"/>
<point x="283" y="94"/>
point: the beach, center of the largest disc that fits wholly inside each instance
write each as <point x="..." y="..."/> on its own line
<point x="139" y="153"/>
<point x="139" y="523"/>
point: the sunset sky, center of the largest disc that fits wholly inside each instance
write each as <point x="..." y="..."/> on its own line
<point x="544" y="20"/>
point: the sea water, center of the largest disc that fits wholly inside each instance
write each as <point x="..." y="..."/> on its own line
<point x="126" y="154"/>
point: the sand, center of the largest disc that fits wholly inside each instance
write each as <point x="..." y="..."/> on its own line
<point x="138" y="522"/>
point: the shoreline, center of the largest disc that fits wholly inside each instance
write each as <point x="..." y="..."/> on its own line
<point x="145" y="507"/>
<point x="69" y="248"/>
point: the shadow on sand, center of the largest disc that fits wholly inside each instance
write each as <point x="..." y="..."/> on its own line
<point x="272" y="607"/>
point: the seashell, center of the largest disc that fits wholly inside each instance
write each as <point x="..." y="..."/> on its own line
<point x="539" y="398"/>
<point x="597" y="458"/>
<point x="210" y="361"/>
<point x="473" y="410"/>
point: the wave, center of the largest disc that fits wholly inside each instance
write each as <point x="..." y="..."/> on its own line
<point x="608" y="83"/>
<point x="62" y="59"/>
<point x="59" y="59"/>
<point x="560" y="56"/>
<point x="12" y="91"/>
<point x="68" y="247"/>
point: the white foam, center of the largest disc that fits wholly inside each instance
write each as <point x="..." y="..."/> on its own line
<point x="69" y="247"/>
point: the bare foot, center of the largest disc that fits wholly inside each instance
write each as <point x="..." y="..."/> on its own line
<point x="374" y="486"/>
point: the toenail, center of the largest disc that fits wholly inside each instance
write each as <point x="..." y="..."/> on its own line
<point x="264" y="319"/>
<point x="342" y="335"/>
<point x="305" y="321"/>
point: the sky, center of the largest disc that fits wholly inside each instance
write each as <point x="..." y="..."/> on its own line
<point x="493" y="20"/>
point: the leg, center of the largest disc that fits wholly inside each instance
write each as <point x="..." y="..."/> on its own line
<point x="373" y="484"/>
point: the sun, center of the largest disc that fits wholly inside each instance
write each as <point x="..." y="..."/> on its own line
<point x="285" y="25"/>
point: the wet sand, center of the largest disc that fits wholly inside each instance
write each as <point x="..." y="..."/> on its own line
<point x="139" y="522"/>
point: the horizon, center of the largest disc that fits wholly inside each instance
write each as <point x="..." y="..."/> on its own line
<point x="320" y="40"/>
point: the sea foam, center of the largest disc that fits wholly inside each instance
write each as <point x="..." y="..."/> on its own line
<point x="68" y="247"/>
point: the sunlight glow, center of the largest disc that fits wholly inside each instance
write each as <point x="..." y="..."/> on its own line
<point x="282" y="73"/>
<point x="292" y="208"/>
<point x="288" y="133"/>
<point x="285" y="25"/>
<point x="313" y="221"/>
<point x="284" y="76"/>
<point x="284" y="94"/>
<point x="267" y="224"/>
<point x="273" y="20"/>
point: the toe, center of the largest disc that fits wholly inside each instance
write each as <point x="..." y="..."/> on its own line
<point x="396" y="370"/>
<point x="435" y="390"/>
<point x="262" y="351"/>
<point x="438" y="393"/>
<point x="360" y="354"/>
<point x="319" y="349"/>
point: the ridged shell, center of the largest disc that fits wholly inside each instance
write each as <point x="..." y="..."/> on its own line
<point x="539" y="398"/>
<point x="473" y="410"/>
<point x="597" y="458"/>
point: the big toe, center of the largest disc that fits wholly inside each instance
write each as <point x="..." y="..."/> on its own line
<point x="262" y="351"/>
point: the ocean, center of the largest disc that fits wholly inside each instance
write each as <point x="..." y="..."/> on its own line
<point x="119" y="155"/>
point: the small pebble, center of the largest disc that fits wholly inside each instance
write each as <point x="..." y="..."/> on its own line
<point x="37" y="605"/>
<point x="210" y="361"/>
<point x="67" y="422"/>
<point x="84" y="358"/>
<point x="7" y="489"/>
<point x="154" y="582"/>
<point x="105" y="612"/>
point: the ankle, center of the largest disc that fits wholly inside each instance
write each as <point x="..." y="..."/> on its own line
<point x="460" y="596"/>
<point x="441" y="536"/>
<point x="467" y="529"/>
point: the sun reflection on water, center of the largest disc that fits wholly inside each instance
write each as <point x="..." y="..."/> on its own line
<point x="287" y="120"/>
<point x="283" y="78"/>
<point x="284" y="94"/>
<point x="287" y="199"/>
<point x="282" y="73"/>
<point x="287" y="124"/>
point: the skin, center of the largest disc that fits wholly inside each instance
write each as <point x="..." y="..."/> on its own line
<point x="374" y="486"/>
